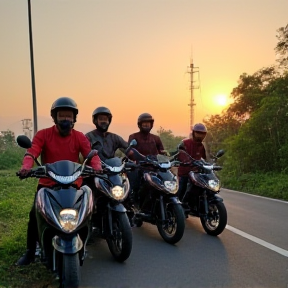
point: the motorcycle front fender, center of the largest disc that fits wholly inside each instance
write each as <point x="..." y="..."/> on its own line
<point x="175" y="200"/>
<point x="67" y="246"/>
<point x="215" y="199"/>
<point x="118" y="208"/>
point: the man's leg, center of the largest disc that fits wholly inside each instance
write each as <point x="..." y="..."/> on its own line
<point x="32" y="237"/>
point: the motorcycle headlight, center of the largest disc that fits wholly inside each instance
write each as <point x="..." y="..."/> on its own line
<point x="214" y="185"/>
<point x="117" y="192"/>
<point x="68" y="219"/>
<point x="65" y="179"/>
<point x="172" y="186"/>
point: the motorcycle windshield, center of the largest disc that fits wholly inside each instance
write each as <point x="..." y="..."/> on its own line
<point x="64" y="167"/>
<point x="114" y="162"/>
<point x="162" y="159"/>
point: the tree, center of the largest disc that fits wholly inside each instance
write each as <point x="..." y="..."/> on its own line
<point x="10" y="154"/>
<point x="282" y="46"/>
<point x="262" y="142"/>
<point x="249" y="93"/>
<point x="170" y="142"/>
<point x="7" y="139"/>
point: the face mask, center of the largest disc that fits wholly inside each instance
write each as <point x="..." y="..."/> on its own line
<point x="65" y="127"/>
<point x="145" y="130"/>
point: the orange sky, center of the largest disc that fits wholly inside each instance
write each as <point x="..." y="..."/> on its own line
<point x="132" y="56"/>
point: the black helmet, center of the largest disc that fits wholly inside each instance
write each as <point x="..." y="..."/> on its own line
<point x="66" y="103"/>
<point x="199" y="127"/>
<point x="145" y="117"/>
<point x="103" y="127"/>
<point x="101" y="110"/>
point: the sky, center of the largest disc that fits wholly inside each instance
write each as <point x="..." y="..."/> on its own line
<point x="132" y="56"/>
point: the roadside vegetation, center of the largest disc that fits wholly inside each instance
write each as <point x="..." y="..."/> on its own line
<point x="252" y="131"/>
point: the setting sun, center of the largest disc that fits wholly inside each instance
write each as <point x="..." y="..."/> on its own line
<point x="221" y="99"/>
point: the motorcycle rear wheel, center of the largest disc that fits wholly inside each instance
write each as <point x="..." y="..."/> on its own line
<point x="69" y="271"/>
<point x="215" y="222"/>
<point x="120" y="243"/>
<point x="172" y="231"/>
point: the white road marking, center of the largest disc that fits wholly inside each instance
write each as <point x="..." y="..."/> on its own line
<point x="258" y="241"/>
<point x="252" y="195"/>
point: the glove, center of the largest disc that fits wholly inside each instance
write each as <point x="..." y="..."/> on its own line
<point x="22" y="173"/>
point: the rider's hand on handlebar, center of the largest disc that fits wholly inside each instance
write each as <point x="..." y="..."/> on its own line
<point x="22" y="173"/>
<point x="98" y="171"/>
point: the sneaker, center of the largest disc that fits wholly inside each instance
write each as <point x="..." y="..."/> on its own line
<point x="27" y="258"/>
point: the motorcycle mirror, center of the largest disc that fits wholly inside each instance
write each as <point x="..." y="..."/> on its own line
<point x="23" y="141"/>
<point x="91" y="154"/>
<point x="220" y="153"/>
<point x="133" y="142"/>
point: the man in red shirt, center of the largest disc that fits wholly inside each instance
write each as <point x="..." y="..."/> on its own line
<point x="195" y="148"/>
<point x="59" y="142"/>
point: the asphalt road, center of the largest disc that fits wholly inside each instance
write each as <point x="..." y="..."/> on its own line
<point x="251" y="252"/>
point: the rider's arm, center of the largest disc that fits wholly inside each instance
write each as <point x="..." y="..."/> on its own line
<point x="181" y="146"/>
<point x="122" y="144"/>
<point x="159" y="144"/>
<point x="35" y="150"/>
<point x="85" y="148"/>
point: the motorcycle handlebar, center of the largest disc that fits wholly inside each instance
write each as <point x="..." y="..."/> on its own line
<point x="38" y="172"/>
<point x="217" y="168"/>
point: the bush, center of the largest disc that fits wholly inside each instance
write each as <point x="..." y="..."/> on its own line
<point x="11" y="158"/>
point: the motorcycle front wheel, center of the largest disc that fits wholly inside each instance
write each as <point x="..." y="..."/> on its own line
<point x="215" y="221"/>
<point x="120" y="242"/>
<point x="172" y="228"/>
<point x="69" y="273"/>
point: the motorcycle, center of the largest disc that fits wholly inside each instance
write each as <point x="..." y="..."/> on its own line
<point x="110" y="220"/>
<point x="200" y="198"/>
<point x="63" y="214"/>
<point x="155" y="202"/>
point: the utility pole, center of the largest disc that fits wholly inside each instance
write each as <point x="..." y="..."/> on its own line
<point x="27" y="127"/>
<point x="32" y="68"/>
<point x="192" y="70"/>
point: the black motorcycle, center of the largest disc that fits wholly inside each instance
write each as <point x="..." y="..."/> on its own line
<point x="155" y="202"/>
<point x="110" y="220"/>
<point x="201" y="199"/>
<point x="64" y="215"/>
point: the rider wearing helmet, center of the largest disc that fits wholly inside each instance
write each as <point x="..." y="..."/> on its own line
<point x="105" y="142"/>
<point x="59" y="142"/>
<point x="147" y="143"/>
<point x="195" y="148"/>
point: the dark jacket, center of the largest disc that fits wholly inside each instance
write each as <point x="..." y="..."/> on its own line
<point x="106" y="143"/>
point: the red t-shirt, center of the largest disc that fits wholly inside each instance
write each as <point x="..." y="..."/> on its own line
<point x="53" y="147"/>
<point x="195" y="150"/>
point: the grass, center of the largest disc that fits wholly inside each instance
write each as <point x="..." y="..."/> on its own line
<point x="16" y="198"/>
<point x="270" y="185"/>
